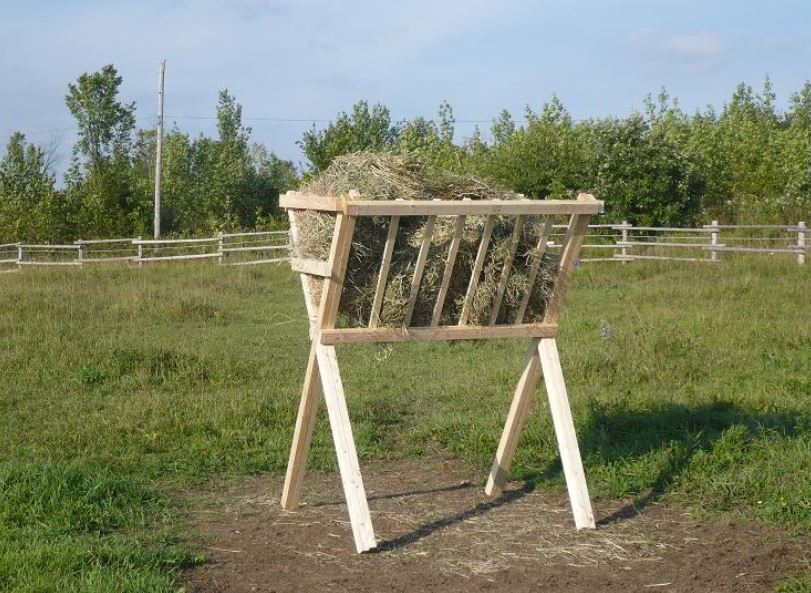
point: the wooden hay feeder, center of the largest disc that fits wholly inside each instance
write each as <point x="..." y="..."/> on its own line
<point x="542" y="356"/>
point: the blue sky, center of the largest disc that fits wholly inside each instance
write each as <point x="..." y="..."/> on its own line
<point x="310" y="59"/>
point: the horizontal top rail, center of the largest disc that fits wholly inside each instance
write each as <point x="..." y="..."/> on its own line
<point x="227" y="235"/>
<point x="705" y="229"/>
<point x="785" y="227"/>
<point x="170" y="241"/>
<point x="10" y="244"/>
<point x="74" y="247"/>
<point x="585" y="204"/>
<point x="100" y="241"/>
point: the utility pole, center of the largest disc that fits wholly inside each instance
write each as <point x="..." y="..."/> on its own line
<point x="159" y="152"/>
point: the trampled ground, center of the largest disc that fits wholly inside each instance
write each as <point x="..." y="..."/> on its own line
<point x="690" y="388"/>
<point x="438" y="532"/>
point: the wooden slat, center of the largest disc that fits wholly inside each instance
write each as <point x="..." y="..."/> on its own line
<point x="537" y="259"/>
<point x="327" y="313"/>
<point x="505" y="273"/>
<point x="313" y="267"/>
<point x="567" y="260"/>
<point x="566" y="437"/>
<point x="345" y="451"/>
<point x="419" y="268"/>
<point x="357" y="335"/>
<point x="380" y="291"/>
<point x="477" y="269"/>
<point x="471" y="207"/>
<point x="303" y="201"/>
<point x="519" y="409"/>
<point x="453" y="250"/>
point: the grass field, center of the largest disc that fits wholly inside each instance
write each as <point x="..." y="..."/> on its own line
<point x="120" y="386"/>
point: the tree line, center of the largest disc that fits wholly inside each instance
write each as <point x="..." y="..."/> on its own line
<point x="747" y="162"/>
<point x="209" y="184"/>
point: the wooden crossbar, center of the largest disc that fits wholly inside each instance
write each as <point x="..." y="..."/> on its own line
<point x="322" y="375"/>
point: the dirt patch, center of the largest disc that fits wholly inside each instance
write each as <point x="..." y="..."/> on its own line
<point x="438" y="532"/>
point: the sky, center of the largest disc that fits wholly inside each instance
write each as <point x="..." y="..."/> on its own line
<point x="308" y="60"/>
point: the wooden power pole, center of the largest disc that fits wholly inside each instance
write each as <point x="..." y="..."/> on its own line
<point x="159" y="152"/>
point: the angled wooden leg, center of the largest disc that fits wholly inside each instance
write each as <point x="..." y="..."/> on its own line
<point x="564" y="430"/>
<point x="345" y="449"/>
<point x="303" y="435"/>
<point x="515" y="422"/>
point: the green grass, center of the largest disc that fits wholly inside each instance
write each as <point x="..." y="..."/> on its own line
<point x="121" y="385"/>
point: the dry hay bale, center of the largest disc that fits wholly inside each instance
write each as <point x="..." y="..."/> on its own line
<point x="389" y="177"/>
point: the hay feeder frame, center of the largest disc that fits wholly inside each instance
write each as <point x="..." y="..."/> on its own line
<point x="323" y="374"/>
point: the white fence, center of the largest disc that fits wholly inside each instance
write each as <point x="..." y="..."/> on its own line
<point x="625" y="242"/>
<point x="605" y="242"/>
<point x="236" y="249"/>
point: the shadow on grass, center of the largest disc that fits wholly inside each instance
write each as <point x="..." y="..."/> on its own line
<point x="677" y="431"/>
<point x="614" y="435"/>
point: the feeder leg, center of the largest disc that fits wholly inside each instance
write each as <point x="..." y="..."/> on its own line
<point x="303" y="435"/>
<point x="345" y="449"/>
<point x="515" y="422"/>
<point x="564" y="430"/>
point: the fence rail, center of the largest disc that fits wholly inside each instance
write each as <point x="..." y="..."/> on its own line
<point x="625" y="242"/>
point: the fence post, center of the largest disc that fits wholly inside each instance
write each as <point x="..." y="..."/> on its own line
<point x="624" y="251"/>
<point x="19" y="255"/>
<point x="714" y="240"/>
<point x="140" y="252"/>
<point x="80" y="252"/>
<point x="801" y="242"/>
<point x="220" y="247"/>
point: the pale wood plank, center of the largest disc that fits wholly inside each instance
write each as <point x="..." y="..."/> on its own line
<point x="358" y="335"/>
<point x="327" y="313"/>
<point x="519" y="409"/>
<point x="313" y="267"/>
<point x="477" y="269"/>
<point x="505" y="273"/>
<point x="537" y="259"/>
<point x="302" y="435"/>
<point x="577" y="232"/>
<point x="469" y="207"/>
<point x="565" y="432"/>
<point x="419" y="268"/>
<point x="345" y="449"/>
<point x="305" y="201"/>
<point x="453" y="250"/>
<point x="385" y="265"/>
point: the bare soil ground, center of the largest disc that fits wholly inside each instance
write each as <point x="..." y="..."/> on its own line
<point x="439" y="533"/>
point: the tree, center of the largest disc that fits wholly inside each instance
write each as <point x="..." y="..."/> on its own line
<point x="105" y="124"/>
<point x="363" y="129"/>
<point x="99" y="178"/>
<point x="30" y="208"/>
<point x="642" y="175"/>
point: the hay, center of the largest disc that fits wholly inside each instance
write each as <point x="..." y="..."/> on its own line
<point x="388" y="177"/>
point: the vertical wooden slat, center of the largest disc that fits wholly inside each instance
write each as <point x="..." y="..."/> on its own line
<point x="537" y="259"/>
<point x="428" y="234"/>
<point x="505" y="273"/>
<point x="566" y="437"/>
<point x="576" y="234"/>
<point x="380" y="291"/>
<point x="327" y="313"/>
<point x="477" y="269"/>
<point x="458" y="230"/>
<point x="519" y="409"/>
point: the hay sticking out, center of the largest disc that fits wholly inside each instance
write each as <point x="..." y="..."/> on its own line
<point x="389" y="177"/>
